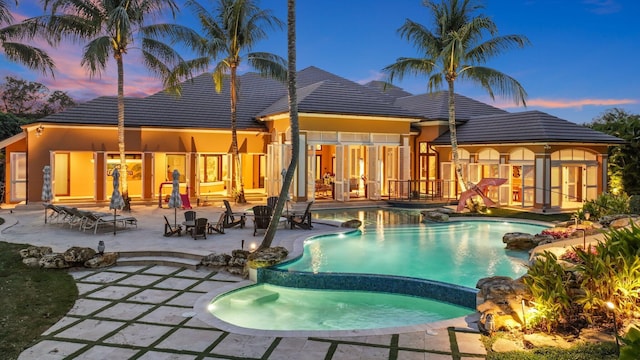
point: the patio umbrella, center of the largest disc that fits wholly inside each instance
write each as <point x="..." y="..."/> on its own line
<point x="117" y="202"/>
<point x="175" y="201"/>
<point x="47" y="195"/>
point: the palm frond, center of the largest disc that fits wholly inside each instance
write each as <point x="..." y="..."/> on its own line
<point x="269" y="65"/>
<point x="32" y="57"/>
<point x="96" y="54"/>
<point x="496" y="82"/>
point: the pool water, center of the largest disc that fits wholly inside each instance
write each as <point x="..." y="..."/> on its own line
<point x="457" y="252"/>
<point x="270" y="307"/>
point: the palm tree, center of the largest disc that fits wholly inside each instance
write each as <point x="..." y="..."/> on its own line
<point x="110" y="27"/>
<point x="455" y="49"/>
<point x="231" y="30"/>
<point x="18" y="52"/>
<point x="295" y="127"/>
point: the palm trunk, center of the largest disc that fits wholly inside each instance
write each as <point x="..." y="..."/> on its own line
<point x="121" y="145"/>
<point x="237" y="184"/>
<point x="454" y="137"/>
<point x="295" y="128"/>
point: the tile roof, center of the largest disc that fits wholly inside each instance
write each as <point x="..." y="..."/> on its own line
<point x="332" y="97"/>
<point x="435" y="106"/>
<point x="527" y="126"/>
<point x="323" y="92"/>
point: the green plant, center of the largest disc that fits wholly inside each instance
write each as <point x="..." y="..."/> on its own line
<point x="546" y="280"/>
<point x="634" y="204"/>
<point x="631" y="341"/>
<point x="607" y="204"/>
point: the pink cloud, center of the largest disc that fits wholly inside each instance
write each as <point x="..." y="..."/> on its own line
<point x="566" y="103"/>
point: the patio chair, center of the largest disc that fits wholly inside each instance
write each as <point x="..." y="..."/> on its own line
<point x="170" y="230"/>
<point x="218" y="227"/>
<point x="302" y="221"/>
<point x="200" y="229"/>
<point x="189" y="220"/>
<point x="230" y="217"/>
<point x="261" y="217"/>
<point x="271" y="201"/>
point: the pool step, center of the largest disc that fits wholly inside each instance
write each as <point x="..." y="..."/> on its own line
<point x="165" y="258"/>
<point x="262" y="297"/>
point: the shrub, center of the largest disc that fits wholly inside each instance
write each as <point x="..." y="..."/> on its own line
<point x="546" y="280"/>
<point x="607" y="204"/>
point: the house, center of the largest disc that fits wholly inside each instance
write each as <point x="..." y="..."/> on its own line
<point x="357" y="141"/>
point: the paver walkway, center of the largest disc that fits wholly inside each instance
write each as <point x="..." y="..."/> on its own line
<point x="147" y="312"/>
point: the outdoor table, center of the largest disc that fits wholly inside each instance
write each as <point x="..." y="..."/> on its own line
<point x="189" y="225"/>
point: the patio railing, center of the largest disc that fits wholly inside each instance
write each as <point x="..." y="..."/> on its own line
<point x="422" y="190"/>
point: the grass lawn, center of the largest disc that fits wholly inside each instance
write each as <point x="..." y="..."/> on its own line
<point x="602" y="351"/>
<point x="31" y="300"/>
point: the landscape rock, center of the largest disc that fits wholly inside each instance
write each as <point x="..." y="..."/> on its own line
<point x="504" y="345"/>
<point x="78" y="254"/>
<point x="31" y="262"/>
<point x="353" y="224"/>
<point x="100" y="261"/>
<point x="267" y="257"/>
<point x="623" y="222"/>
<point x="35" y="251"/>
<point x="502" y="297"/>
<point x="53" y="261"/>
<point x="216" y="260"/>
<point x="524" y="241"/>
<point x="434" y="216"/>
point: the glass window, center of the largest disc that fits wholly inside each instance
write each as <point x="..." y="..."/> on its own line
<point x="210" y="168"/>
<point x="178" y="162"/>
<point x="134" y="165"/>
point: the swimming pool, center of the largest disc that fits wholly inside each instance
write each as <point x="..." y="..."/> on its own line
<point x="421" y="260"/>
<point x="271" y="307"/>
<point x="457" y="252"/>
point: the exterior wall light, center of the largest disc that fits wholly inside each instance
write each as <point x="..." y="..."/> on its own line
<point x="39" y="130"/>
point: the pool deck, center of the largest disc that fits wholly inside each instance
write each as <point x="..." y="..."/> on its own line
<point x="151" y="311"/>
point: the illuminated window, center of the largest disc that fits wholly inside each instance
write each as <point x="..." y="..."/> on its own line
<point x="134" y="165"/>
<point x="210" y="168"/>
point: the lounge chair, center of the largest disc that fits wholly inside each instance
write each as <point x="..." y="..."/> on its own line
<point x="261" y="217"/>
<point x="200" y="229"/>
<point x="230" y="217"/>
<point x="302" y="221"/>
<point x="218" y="227"/>
<point x="54" y="212"/>
<point x="170" y="230"/>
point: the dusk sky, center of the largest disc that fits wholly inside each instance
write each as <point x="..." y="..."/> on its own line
<point x="583" y="58"/>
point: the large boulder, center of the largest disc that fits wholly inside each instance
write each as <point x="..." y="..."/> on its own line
<point x="216" y="260"/>
<point x="35" y="252"/>
<point x="267" y="257"/>
<point x="78" y="254"/>
<point x="524" y="241"/>
<point x="353" y="224"/>
<point x="100" y="261"/>
<point x="623" y="222"/>
<point x="501" y="297"/>
<point x="434" y="216"/>
<point x="53" y="261"/>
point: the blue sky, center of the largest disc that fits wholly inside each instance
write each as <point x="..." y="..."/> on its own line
<point x="582" y="59"/>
